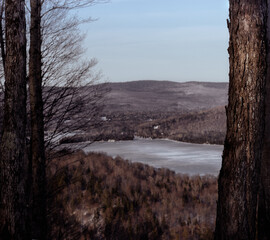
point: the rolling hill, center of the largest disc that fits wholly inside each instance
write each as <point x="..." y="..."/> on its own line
<point x="191" y="112"/>
<point x="165" y="96"/>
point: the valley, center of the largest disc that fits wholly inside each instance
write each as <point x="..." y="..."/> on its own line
<point x="190" y="112"/>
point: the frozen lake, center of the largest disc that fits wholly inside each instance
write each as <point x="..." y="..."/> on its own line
<point x="187" y="158"/>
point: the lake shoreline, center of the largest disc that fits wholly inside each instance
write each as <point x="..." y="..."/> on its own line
<point x="81" y="139"/>
<point x="181" y="157"/>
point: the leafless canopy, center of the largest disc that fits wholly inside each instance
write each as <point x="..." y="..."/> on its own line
<point x="71" y="93"/>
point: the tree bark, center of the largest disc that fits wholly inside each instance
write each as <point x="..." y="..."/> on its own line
<point x="14" y="163"/>
<point x="264" y="199"/>
<point x="240" y="172"/>
<point x="2" y="42"/>
<point x="39" y="226"/>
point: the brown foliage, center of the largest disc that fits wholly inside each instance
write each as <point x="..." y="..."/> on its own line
<point x="206" y="126"/>
<point x="97" y="197"/>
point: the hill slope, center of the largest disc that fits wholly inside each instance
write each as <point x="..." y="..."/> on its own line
<point x="97" y="197"/>
<point x="165" y="96"/>
<point x="207" y="126"/>
<point x="191" y="112"/>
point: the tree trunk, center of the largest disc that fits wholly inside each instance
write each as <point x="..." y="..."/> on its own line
<point x="239" y="175"/>
<point x="2" y="42"/>
<point x="39" y="226"/>
<point x="14" y="163"/>
<point x="264" y="200"/>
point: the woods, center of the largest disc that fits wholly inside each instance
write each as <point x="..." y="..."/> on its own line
<point x="23" y="167"/>
<point x="243" y="207"/>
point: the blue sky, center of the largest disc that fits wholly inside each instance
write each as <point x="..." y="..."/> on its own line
<point x="177" y="40"/>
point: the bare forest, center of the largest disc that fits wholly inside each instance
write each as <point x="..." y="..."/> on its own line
<point x="54" y="100"/>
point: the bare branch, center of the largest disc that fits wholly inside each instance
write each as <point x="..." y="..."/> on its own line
<point x="52" y="5"/>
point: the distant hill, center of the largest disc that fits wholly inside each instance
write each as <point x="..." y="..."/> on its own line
<point x="190" y="112"/>
<point x="206" y="126"/>
<point x="160" y="96"/>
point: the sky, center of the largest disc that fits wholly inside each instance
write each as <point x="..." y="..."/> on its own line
<point x="176" y="40"/>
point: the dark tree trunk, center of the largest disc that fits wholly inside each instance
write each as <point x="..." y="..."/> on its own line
<point x="239" y="175"/>
<point x="14" y="163"/>
<point x="2" y="42"/>
<point x="264" y="202"/>
<point x="39" y="225"/>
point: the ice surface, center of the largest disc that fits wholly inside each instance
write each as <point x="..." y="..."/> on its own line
<point x="186" y="158"/>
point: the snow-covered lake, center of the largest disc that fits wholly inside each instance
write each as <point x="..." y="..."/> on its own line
<point x="186" y="158"/>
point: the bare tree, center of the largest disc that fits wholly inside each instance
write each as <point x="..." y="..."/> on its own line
<point x="239" y="175"/>
<point x="14" y="162"/>
<point x="72" y="99"/>
<point x="54" y="40"/>
<point x="64" y="71"/>
<point x="55" y="53"/>
<point x="39" y="223"/>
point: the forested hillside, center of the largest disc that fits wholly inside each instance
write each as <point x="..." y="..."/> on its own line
<point x="190" y="112"/>
<point x="97" y="197"/>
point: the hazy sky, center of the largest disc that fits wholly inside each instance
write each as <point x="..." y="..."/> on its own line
<point x="177" y="40"/>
